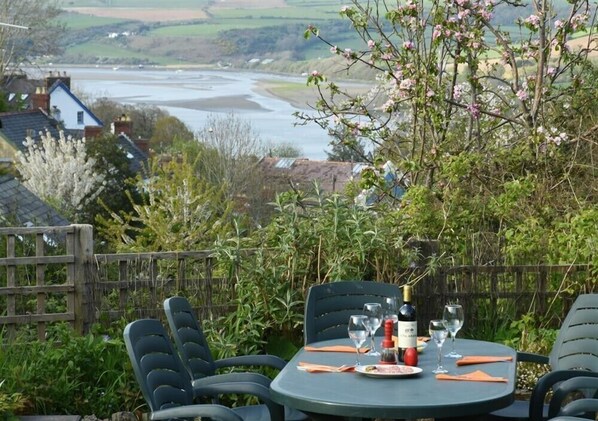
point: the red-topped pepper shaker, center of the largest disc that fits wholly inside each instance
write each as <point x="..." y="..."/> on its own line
<point x="388" y="355"/>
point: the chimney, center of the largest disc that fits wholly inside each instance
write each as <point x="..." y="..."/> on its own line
<point x="40" y="99"/>
<point x="122" y="124"/>
<point x="53" y="77"/>
<point x="92" y="132"/>
<point x="143" y="145"/>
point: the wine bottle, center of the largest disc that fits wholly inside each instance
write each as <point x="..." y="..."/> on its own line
<point x="407" y="324"/>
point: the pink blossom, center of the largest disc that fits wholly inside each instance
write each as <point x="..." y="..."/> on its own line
<point x="485" y="14"/>
<point x="407" y="84"/>
<point x="408" y="45"/>
<point x="371" y="44"/>
<point x="474" y="110"/>
<point x="533" y="20"/>
<point x="344" y="9"/>
<point x="437" y="31"/>
<point x="315" y="73"/>
<point x="522" y="95"/>
<point x="334" y="49"/>
<point x="457" y="91"/>
<point x="430" y="93"/>
<point x="559" y="24"/>
<point x="551" y="71"/>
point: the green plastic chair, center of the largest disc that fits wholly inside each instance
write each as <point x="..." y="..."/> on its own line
<point x="328" y="306"/>
<point x="585" y="407"/>
<point x="574" y="353"/>
<point x="197" y="356"/>
<point x="167" y="388"/>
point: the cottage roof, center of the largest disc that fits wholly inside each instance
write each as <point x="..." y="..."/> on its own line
<point x="21" y="206"/>
<point x="332" y="176"/>
<point x="16" y="126"/>
<point x="137" y="158"/>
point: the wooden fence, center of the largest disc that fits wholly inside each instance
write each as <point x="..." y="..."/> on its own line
<point x="51" y="274"/>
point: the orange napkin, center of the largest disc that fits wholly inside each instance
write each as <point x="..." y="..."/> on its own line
<point x="474" y="376"/>
<point x="481" y="359"/>
<point x="335" y="348"/>
<point x="320" y="368"/>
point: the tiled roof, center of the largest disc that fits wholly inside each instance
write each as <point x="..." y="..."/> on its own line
<point x="16" y="126"/>
<point x="19" y="205"/>
<point x="332" y="176"/>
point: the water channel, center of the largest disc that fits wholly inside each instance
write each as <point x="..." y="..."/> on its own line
<point x="193" y="95"/>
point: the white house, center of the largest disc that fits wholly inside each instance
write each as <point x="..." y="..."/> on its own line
<point x="66" y="107"/>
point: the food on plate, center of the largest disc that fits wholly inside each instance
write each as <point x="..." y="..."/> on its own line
<point x="389" y="369"/>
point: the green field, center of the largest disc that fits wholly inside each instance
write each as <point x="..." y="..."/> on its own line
<point x="105" y="50"/>
<point x="76" y="21"/>
<point x="233" y="34"/>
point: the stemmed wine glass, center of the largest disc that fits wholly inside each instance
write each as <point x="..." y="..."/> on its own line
<point x="390" y="308"/>
<point x="438" y="333"/>
<point x="373" y="311"/>
<point x="358" y="331"/>
<point x="453" y="314"/>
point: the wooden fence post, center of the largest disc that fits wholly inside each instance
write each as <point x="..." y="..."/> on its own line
<point x="83" y="278"/>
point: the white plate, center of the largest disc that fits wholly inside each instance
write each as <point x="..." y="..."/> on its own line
<point x="389" y="371"/>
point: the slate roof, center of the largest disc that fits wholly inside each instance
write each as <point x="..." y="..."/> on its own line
<point x="18" y="205"/>
<point x="137" y="158"/>
<point x="301" y="172"/>
<point x="15" y="126"/>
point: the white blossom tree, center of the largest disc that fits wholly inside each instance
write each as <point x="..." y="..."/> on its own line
<point x="60" y="172"/>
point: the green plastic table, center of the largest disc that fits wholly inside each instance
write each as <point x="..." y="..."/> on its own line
<point x="354" y="395"/>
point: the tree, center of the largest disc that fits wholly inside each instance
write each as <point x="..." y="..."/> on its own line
<point x="230" y="157"/>
<point x="501" y="145"/>
<point x="179" y="211"/>
<point x="233" y="149"/>
<point x="347" y="147"/>
<point x="21" y="46"/>
<point x="166" y="132"/>
<point x="119" y="181"/>
<point x="60" y="172"/>
<point x="284" y="150"/>
<point x="144" y="117"/>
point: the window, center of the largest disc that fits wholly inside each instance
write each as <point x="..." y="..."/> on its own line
<point x="79" y="117"/>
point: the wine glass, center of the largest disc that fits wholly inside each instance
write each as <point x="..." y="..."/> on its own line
<point x="438" y="333"/>
<point x="373" y="311"/>
<point x="453" y="314"/>
<point x="358" y="331"/>
<point x="390" y="308"/>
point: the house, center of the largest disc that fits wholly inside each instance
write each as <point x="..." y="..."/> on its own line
<point x="21" y="207"/>
<point x="68" y="109"/>
<point x="52" y="94"/>
<point x="301" y="173"/>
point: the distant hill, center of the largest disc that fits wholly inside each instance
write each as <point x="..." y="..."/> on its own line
<point x="216" y="32"/>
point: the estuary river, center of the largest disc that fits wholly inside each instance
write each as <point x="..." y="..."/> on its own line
<point x="193" y="95"/>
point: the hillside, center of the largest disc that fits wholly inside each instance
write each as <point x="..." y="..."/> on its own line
<point x="243" y="33"/>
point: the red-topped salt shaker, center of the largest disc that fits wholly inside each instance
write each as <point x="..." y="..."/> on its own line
<point x="388" y="355"/>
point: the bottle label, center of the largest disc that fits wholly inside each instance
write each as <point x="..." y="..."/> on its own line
<point x="407" y="334"/>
